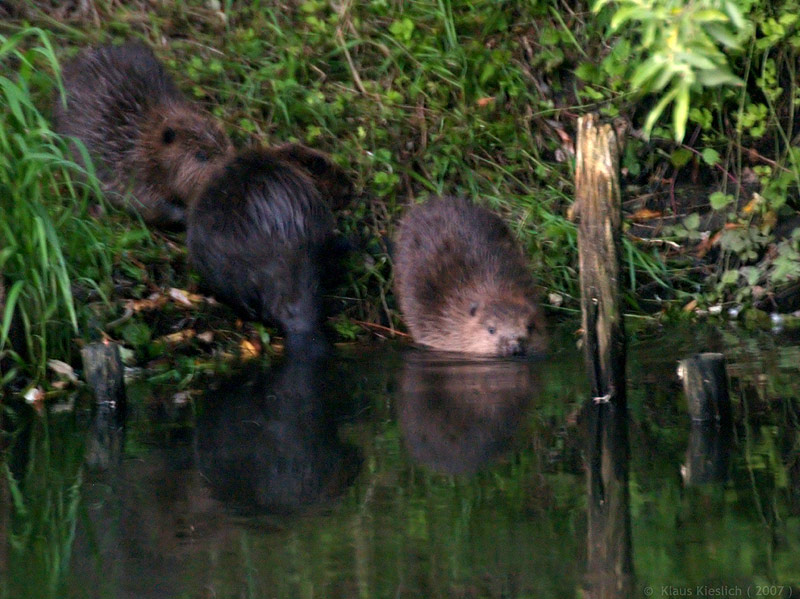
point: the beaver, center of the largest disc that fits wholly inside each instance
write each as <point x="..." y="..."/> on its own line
<point x="462" y="281"/>
<point x="144" y="137"/>
<point x="256" y="236"/>
<point x="331" y="179"/>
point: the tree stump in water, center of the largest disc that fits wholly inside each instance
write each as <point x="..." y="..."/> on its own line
<point x="102" y="367"/>
<point x="598" y="205"/>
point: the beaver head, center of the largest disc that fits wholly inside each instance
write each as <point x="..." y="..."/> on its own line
<point x="503" y="327"/>
<point x="184" y="149"/>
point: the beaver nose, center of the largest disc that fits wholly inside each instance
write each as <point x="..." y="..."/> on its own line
<point x="516" y="347"/>
<point x="522" y="346"/>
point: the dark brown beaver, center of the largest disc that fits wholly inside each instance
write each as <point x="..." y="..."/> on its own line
<point x="256" y="236"/>
<point x="462" y="282"/>
<point x="331" y="180"/>
<point x="144" y="137"/>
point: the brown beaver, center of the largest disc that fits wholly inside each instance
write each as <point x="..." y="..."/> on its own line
<point x="462" y="282"/>
<point x="257" y="236"/>
<point x="142" y="134"/>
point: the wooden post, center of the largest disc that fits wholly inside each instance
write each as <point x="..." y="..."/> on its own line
<point x="598" y="205"/>
<point x="102" y="367"/>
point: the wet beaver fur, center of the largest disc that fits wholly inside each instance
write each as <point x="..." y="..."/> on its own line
<point x="257" y="236"/>
<point x="462" y="281"/>
<point x="142" y="134"/>
<point x="331" y="180"/>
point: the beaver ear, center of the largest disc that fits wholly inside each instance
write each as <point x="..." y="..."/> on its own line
<point x="168" y="135"/>
<point x="473" y="308"/>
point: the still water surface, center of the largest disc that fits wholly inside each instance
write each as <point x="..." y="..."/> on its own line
<point x="394" y="473"/>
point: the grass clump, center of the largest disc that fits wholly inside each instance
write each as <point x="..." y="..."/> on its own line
<point x="40" y="210"/>
<point x="51" y="250"/>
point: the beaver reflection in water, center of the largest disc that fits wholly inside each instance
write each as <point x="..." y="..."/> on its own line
<point x="463" y="283"/>
<point x="457" y="415"/>
<point x="257" y="236"/>
<point x="267" y="440"/>
<point x="144" y="137"/>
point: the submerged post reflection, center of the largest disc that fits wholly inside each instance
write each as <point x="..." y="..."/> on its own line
<point x="609" y="553"/>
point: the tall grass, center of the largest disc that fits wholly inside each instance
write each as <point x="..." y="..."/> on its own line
<point x="46" y="243"/>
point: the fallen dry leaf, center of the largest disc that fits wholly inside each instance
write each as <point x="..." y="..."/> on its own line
<point x="179" y="337"/>
<point x="249" y="349"/>
<point x="179" y="296"/>
<point x="63" y="369"/>
<point x="645" y="214"/>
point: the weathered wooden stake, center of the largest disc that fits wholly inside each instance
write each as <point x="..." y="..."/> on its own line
<point x="706" y="386"/>
<point x="102" y="367"/>
<point x="599" y="207"/>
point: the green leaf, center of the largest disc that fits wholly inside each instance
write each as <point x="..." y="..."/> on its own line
<point x="695" y="60"/>
<point x="710" y="156"/>
<point x="8" y="313"/>
<point x="680" y="157"/>
<point x="719" y="200"/>
<point x="646" y="71"/>
<point x="628" y="13"/>
<point x="709" y="15"/>
<point x="137" y="334"/>
<point x="722" y="35"/>
<point x="680" y="113"/>
<point x="729" y="277"/>
<point x="735" y="16"/>
<point x="717" y="77"/>
<point x="692" y="222"/>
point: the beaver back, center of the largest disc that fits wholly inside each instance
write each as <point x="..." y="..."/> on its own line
<point x="255" y="236"/>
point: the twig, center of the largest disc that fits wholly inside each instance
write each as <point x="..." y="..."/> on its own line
<point x="380" y="327"/>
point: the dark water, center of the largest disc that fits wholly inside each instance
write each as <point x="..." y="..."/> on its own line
<point x="391" y="472"/>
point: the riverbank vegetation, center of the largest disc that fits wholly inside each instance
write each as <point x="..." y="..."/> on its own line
<point x="429" y="97"/>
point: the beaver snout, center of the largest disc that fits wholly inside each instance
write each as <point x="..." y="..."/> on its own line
<point x="514" y="347"/>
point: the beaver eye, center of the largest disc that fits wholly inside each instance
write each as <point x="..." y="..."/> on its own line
<point x="531" y="329"/>
<point x="201" y="156"/>
<point x="473" y="309"/>
<point x="491" y="330"/>
<point x="168" y="136"/>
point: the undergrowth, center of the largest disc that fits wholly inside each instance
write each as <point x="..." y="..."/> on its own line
<point x="476" y="98"/>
